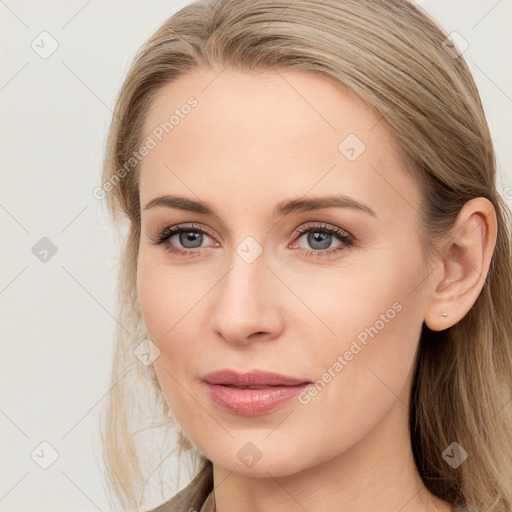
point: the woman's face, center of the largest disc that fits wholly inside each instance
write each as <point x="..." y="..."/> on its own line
<point x="302" y="259"/>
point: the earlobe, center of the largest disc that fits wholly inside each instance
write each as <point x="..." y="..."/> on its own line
<point x="464" y="265"/>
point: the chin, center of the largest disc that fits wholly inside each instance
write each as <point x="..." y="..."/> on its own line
<point x="261" y="469"/>
<point x="259" y="459"/>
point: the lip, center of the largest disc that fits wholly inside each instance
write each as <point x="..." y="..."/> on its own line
<point x="252" y="393"/>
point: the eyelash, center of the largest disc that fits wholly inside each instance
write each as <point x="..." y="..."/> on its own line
<point x="161" y="238"/>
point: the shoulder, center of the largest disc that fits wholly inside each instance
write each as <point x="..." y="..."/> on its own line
<point x="193" y="496"/>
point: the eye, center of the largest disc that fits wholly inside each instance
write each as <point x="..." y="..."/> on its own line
<point x="190" y="237"/>
<point x="187" y="240"/>
<point x="320" y="238"/>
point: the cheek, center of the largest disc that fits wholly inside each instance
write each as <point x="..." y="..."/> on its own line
<point x="378" y="331"/>
<point x="365" y="368"/>
<point x="152" y="301"/>
<point x="163" y="308"/>
<point x="165" y="296"/>
<point x="171" y="308"/>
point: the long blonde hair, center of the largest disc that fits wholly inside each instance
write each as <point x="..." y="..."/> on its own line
<point x="396" y="58"/>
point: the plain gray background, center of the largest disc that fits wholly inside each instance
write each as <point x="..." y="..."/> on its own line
<point x="58" y="316"/>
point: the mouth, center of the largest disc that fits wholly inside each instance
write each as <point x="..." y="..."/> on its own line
<point x="253" y="393"/>
<point x="246" y="387"/>
<point x="253" y="379"/>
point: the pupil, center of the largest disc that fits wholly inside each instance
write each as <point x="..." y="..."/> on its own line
<point x="195" y="238"/>
<point x="323" y="238"/>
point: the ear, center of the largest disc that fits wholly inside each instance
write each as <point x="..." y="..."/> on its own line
<point x="463" y="265"/>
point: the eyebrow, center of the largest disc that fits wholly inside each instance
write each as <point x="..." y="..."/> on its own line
<point x="281" y="209"/>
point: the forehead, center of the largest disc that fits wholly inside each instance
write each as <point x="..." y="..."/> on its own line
<point x="283" y="132"/>
<point x="266" y="101"/>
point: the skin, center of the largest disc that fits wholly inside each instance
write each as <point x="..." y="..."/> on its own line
<point x="253" y="140"/>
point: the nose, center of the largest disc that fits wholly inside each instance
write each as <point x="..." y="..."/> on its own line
<point x="247" y="303"/>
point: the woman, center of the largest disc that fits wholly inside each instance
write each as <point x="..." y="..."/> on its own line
<point x="318" y="260"/>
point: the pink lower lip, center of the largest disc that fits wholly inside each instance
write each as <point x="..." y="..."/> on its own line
<point x="251" y="402"/>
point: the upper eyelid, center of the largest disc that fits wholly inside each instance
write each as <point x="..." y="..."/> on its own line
<point x="320" y="225"/>
<point x="297" y="232"/>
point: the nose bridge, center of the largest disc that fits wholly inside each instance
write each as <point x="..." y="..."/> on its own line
<point x="247" y="263"/>
<point x="244" y="303"/>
